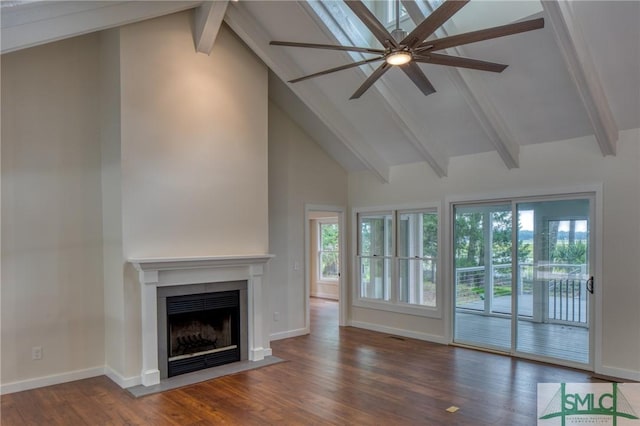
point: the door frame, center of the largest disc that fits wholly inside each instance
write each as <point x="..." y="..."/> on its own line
<point x="593" y="191"/>
<point x="342" y="281"/>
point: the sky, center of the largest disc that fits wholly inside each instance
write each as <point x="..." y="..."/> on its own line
<point x="526" y="222"/>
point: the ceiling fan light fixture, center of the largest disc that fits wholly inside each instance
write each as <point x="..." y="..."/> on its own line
<point x="399" y="58"/>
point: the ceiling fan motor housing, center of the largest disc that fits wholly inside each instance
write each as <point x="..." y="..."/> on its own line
<point x="398" y="34"/>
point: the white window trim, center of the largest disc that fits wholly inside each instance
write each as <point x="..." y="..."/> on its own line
<point x="394" y="305"/>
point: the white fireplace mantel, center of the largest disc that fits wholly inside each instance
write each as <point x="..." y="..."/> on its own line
<point x="161" y="272"/>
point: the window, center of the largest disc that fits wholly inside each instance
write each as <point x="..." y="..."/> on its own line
<point x="375" y="255"/>
<point x="328" y="254"/>
<point x="417" y="257"/>
<point x="390" y="12"/>
<point x="397" y="259"/>
<point x="349" y="30"/>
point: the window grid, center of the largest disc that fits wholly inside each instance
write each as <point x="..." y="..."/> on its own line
<point x="375" y="255"/>
<point x="398" y="256"/>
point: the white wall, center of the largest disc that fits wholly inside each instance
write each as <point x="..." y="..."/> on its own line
<point x="300" y="173"/>
<point x="51" y="211"/>
<point x="194" y="143"/>
<point x="545" y="166"/>
<point x="117" y="145"/>
<point x="115" y="321"/>
<point x="193" y="153"/>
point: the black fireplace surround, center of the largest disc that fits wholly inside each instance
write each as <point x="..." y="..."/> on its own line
<point x="201" y="326"/>
<point x="203" y="330"/>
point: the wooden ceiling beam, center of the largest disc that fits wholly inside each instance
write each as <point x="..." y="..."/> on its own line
<point x="406" y="120"/>
<point x="32" y="24"/>
<point x="208" y="18"/>
<point x="577" y="56"/>
<point x="480" y="104"/>
<point x="427" y="148"/>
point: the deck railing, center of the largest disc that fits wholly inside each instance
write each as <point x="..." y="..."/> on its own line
<point x="564" y="285"/>
<point x="568" y="300"/>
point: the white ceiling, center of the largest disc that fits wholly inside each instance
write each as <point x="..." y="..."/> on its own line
<point x="578" y="75"/>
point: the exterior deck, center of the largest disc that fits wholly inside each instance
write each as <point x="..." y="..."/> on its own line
<point x="559" y="339"/>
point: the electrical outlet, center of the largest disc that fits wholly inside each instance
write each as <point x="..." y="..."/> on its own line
<point x="276" y="316"/>
<point x="36" y="352"/>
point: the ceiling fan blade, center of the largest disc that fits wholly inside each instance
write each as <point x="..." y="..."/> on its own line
<point x="419" y="79"/>
<point x="433" y="22"/>
<point x="488" y="34"/>
<point x="372" y="79"/>
<point x="340" y="68"/>
<point x="328" y="47"/>
<point x="455" y="61"/>
<point x="370" y="21"/>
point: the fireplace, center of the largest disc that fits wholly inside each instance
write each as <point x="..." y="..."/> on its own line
<point x="203" y="330"/>
<point x="206" y="281"/>
<point x="201" y="326"/>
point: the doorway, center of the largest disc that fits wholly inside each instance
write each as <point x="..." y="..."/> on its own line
<point x="523" y="278"/>
<point x="324" y="260"/>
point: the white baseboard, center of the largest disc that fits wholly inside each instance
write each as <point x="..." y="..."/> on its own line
<point x="118" y="379"/>
<point x="290" y="333"/>
<point x="400" y="332"/>
<point x="54" y="379"/>
<point x="620" y="373"/>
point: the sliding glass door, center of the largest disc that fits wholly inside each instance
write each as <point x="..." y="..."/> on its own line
<point x="483" y="281"/>
<point x="554" y="279"/>
<point x="522" y="285"/>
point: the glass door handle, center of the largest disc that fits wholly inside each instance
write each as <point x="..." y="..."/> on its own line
<point x="590" y="285"/>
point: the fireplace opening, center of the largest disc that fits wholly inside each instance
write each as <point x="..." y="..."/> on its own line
<point x="203" y="330"/>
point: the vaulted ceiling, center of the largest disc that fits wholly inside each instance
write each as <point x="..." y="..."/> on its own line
<point x="577" y="76"/>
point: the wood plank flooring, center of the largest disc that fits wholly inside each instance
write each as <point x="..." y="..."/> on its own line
<point x="332" y="376"/>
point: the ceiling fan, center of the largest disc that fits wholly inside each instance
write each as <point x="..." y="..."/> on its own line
<point x="407" y="50"/>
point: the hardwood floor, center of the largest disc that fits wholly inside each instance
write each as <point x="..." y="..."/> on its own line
<point x="332" y="376"/>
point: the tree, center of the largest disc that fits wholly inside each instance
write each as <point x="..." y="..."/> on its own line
<point x="469" y="247"/>
<point x="329" y="236"/>
<point x="571" y="253"/>
<point x="430" y="235"/>
<point x="470" y="244"/>
<point x="329" y="247"/>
